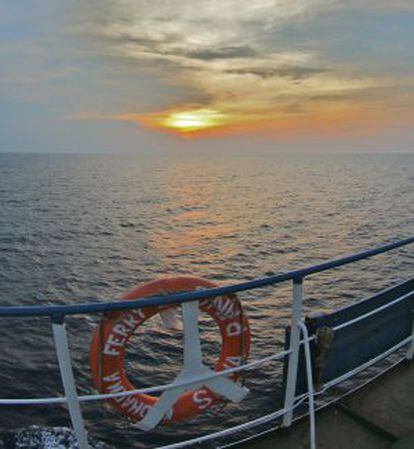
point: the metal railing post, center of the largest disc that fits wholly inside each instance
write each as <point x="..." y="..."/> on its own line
<point x="296" y="319"/>
<point x="311" y="391"/>
<point x="410" y="352"/>
<point x="68" y="380"/>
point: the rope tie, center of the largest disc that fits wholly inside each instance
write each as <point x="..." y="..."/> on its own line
<point x="324" y="339"/>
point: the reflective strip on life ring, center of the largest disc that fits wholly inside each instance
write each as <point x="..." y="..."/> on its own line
<point x="107" y="349"/>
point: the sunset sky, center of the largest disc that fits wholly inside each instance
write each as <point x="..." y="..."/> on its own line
<point x="135" y="75"/>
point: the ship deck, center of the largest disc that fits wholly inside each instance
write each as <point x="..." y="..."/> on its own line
<point x="379" y="416"/>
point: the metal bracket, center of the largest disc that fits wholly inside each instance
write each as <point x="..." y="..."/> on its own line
<point x="324" y="339"/>
<point x="193" y="369"/>
<point x="410" y="352"/>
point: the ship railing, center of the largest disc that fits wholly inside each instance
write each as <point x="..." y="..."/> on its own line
<point x="299" y="337"/>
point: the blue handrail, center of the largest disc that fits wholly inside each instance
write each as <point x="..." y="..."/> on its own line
<point x="59" y="311"/>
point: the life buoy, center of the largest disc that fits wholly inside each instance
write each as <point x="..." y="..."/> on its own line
<point x="107" y="349"/>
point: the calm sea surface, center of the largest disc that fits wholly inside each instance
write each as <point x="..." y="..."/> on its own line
<point x="76" y="229"/>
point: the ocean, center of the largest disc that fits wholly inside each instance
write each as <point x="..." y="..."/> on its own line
<point x="84" y="228"/>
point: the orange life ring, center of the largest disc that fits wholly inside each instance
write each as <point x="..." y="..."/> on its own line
<point x="107" y="349"/>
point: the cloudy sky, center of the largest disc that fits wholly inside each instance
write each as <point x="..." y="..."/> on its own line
<point x="137" y="75"/>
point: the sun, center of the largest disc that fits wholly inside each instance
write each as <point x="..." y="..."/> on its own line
<point x="187" y="122"/>
<point x="193" y="120"/>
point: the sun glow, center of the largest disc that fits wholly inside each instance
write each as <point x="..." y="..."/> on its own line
<point x="193" y="120"/>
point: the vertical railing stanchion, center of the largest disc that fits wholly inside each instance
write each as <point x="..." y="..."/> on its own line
<point x="311" y="391"/>
<point x="68" y="380"/>
<point x="297" y="300"/>
<point x="410" y="352"/>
